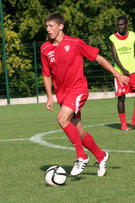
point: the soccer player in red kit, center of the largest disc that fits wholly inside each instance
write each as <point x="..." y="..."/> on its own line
<point x="62" y="63"/>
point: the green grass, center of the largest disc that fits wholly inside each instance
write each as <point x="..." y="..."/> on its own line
<point x="23" y="163"/>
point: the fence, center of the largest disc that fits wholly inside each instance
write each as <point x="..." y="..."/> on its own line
<point x="25" y="74"/>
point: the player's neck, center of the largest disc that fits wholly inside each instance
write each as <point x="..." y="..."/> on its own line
<point x="121" y="37"/>
<point x="123" y="34"/>
<point x="58" y="39"/>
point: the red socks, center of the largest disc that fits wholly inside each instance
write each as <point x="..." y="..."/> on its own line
<point x="90" y="144"/>
<point x="122" y="118"/>
<point x="88" y="141"/>
<point x="73" y="134"/>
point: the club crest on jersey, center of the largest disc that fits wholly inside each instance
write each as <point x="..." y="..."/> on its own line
<point x="67" y="48"/>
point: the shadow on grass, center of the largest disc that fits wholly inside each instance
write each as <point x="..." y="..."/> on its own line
<point x="118" y="126"/>
<point x="114" y="125"/>
<point x="95" y="165"/>
<point x="81" y="176"/>
<point x="68" y="170"/>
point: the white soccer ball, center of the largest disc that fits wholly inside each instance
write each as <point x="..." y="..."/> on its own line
<point x="55" y="175"/>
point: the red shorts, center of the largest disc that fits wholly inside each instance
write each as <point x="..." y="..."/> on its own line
<point x="75" y="102"/>
<point x="130" y="88"/>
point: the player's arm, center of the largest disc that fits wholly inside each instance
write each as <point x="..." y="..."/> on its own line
<point x="104" y="63"/>
<point x="115" y="56"/>
<point x="48" y="86"/>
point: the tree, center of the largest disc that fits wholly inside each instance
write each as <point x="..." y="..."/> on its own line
<point x="90" y="20"/>
<point x="16" y="55"/>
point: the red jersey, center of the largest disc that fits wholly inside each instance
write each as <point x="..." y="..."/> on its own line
<point x="65" y="63"/>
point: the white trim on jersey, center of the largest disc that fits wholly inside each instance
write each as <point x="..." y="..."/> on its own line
<point x="78" y="99"/>
<point x="115" y="84"/>
<point x="45" y="48"/>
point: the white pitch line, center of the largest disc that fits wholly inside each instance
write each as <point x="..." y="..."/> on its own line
<point x="16" y="139"/>
<point x="38" y="139"/>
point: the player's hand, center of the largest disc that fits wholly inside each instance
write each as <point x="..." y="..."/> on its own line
<point x="49" y="104"/>
<point x="123" y="79"/>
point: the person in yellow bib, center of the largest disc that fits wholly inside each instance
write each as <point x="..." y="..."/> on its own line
<point x="122" y="46"/>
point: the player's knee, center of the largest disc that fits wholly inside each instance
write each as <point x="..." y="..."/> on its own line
<point x="61" y="119"/>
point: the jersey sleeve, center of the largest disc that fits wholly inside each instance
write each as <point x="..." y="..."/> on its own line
<point x="45" y="66"/>
<point x="88" y="51"/>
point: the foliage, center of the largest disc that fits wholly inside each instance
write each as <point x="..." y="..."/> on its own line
<point x="16" y="56"/>
<point x="23" y="82"/>
<point x="93" y="21"/>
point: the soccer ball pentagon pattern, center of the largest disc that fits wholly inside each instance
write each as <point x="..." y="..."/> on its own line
<point x="55" y="175"/>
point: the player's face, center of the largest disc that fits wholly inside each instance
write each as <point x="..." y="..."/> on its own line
<point x="122" y="27"/>
<point x="53" y="29"/>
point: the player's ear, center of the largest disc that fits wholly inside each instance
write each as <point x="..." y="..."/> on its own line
<point x="61" y="26"/>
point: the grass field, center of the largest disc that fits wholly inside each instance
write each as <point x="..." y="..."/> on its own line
<point x="23" y="162"/>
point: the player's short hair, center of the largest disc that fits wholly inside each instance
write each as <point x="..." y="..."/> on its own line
<point x="122" y="18"/>
<point x="56" y="17"/>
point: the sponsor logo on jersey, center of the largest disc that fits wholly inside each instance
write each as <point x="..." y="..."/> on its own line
<point x="124" y="50"/>
<point x="50" y="54"/>
<point x="67" y="48"/>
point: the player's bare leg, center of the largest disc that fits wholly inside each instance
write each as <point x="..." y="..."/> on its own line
<point x="121" y="110"/>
